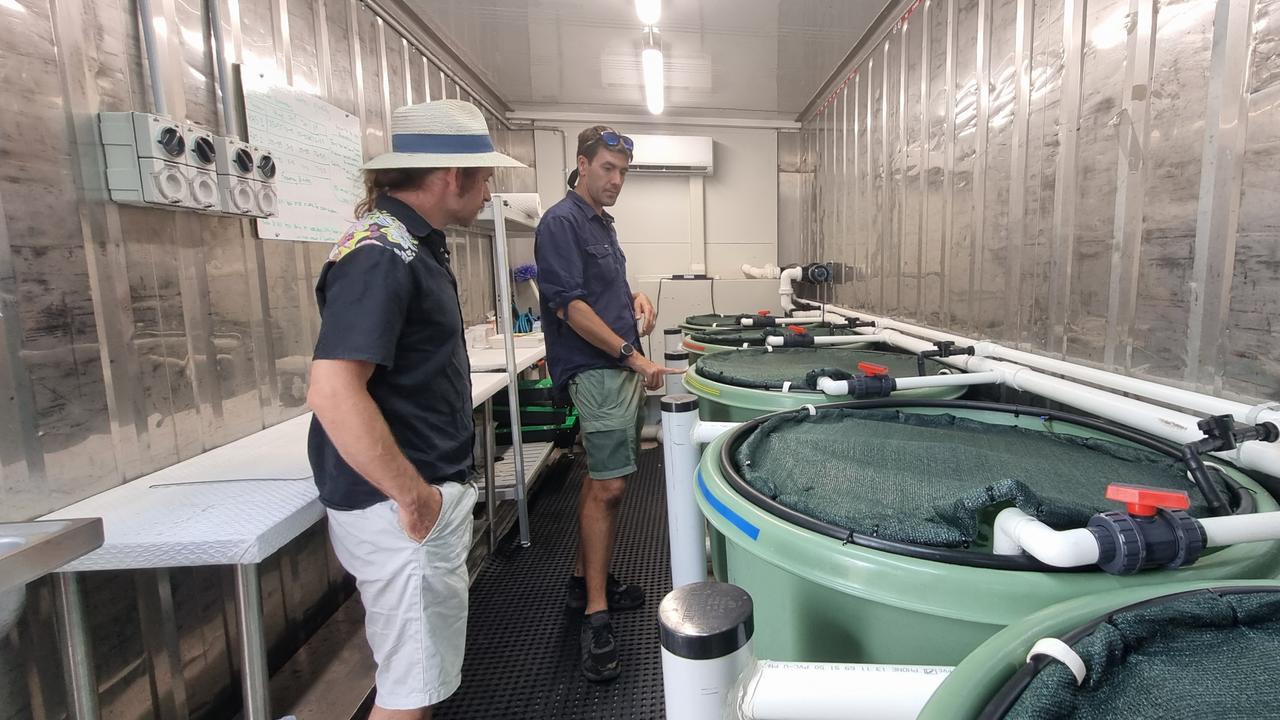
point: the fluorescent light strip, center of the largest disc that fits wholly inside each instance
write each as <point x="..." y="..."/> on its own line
<point x="649" y="11"/>
<point x="651" y="61"/>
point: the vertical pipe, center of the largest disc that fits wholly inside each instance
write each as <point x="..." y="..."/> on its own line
<point x="679" y="360"/>
<point x="671" y="339"/>
<point x="159" y="101"/>
<point x="705" y="630"/>
<point x="254" y="682"/>
<point x="502" y="274"/>
<point x="230" y="124"/>
<point x="680" y="456"/>
<point x="1218" y="215"/>
<point x="1064" y="211"/>
<point x="77" y="650"/>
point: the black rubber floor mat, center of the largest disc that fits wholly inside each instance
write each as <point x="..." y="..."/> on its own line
<point x="522" y="645"/>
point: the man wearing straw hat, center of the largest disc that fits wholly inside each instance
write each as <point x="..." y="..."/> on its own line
<point x="391" y="440"/>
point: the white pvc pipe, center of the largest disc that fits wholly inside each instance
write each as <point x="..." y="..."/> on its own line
<point x="768" y="272"/>
<point x="671" y="340"/>
<point x="686" y="533"/>
<point x="676" y="361"/>
<point x="751" y="322"/>
<point x="834" y="388"/>
<point x="1154" y="420"/>
<point x="831" y="691"/>
<point x="785" y="292"/>
<point x="704" y="432"/>
<point x="779" y="340"/>
<point x="701" y="689"/>
<point x="1016" y="532"/>
<point x="931" y="381"/>
<point x="1208" y="404"/>
<point x="837" y="388"/>
<point x="1234" y="529"/>
<point x="1198" y="402"/>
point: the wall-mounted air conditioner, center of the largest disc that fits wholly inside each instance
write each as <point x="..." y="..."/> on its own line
<point x="672" y="155"/>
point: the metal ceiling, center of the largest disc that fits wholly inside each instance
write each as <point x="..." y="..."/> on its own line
<point x="734" y="58"/>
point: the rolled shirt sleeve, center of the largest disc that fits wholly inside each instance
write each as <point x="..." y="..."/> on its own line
<point x="559" y="263"/>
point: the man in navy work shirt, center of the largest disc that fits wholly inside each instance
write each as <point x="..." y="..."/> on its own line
<point x="589" y="317"/>
<point x="391" y="440"/>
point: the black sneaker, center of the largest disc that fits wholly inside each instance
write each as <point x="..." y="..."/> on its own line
<point x="622" y="596"/>
<point x="599" y="650"/>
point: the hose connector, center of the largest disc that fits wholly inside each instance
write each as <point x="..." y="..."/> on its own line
<point x="1221" y="433"/>
<point x="943" y="349"/>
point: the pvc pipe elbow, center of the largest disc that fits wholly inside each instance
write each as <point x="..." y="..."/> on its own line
<point x="834" y="388"/>
<point x="1016" y="532"/>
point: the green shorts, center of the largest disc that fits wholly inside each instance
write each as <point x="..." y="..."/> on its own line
<point x="610" y="404"/>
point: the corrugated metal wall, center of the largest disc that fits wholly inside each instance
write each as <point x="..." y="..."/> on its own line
<point x="132" y="338"/>
<point x="1092" y="179"/>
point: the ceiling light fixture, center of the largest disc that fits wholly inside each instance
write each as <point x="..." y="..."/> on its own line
<point x="649" y="11"/>
<point x="651" y="64"/>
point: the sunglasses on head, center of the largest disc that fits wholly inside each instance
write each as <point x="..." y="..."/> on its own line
<point x="614" y="139"/>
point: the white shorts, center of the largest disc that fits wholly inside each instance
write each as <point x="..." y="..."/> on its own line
<point x="414" y="594"/>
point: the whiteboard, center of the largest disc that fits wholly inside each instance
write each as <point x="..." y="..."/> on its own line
<point x="317" y="148"/>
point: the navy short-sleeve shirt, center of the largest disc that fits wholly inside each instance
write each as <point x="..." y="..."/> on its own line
<point x="387" y="296"/>
<point x="579" y="258"/>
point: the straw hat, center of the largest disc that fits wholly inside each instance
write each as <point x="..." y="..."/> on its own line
<point x="440" y="134"/>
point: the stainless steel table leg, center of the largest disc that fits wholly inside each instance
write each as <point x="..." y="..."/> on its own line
<point x="490" y="475"/>
<point x="254" y="680"/>
<point x="77" y="652"/>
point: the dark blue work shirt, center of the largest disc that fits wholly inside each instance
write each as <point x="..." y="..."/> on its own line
<point x="387" y="296"/>
<point x="579" y="259"/>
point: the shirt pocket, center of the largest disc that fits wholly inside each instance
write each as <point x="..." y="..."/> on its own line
<point x="601" y="260"/>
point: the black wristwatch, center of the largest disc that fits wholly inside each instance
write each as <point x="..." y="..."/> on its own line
<point x="626" y="351"/>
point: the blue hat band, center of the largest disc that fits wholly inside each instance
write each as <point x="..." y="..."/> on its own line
<point x="441" y="144"/>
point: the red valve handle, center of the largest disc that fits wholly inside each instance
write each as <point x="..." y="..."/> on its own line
<point x="1144" y="501"/>
<point x="797" y="329"/>
<point x="762" y="313"/>
<point x="870" y="368"/>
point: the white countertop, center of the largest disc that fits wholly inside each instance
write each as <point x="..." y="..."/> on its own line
<point x="485" y="385"/>
<point x="235" y="504"/>
<point x="491" y="359"/>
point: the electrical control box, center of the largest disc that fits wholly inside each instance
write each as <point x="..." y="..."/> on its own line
<point x="155" y="161"/>
<point x="146" y="159"/>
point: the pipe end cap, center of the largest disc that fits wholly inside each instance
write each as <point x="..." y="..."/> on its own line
<point x="705" y="620"/>
<point x="679" y="403"/>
